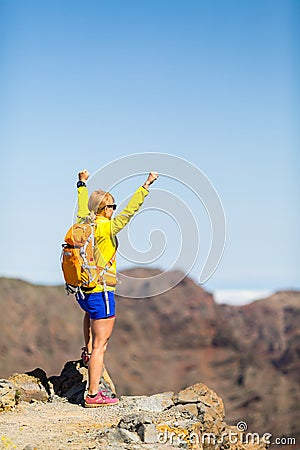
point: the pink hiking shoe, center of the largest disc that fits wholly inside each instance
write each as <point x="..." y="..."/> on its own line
<point x="100" y="400"/>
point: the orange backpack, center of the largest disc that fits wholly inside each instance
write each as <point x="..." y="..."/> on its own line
<point x="77" y="259"/>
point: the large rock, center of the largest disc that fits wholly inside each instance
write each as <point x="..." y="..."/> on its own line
<point x="199" y="423"/>
<point x="7" y="395"/>
<point x="29" y="388"/>
<point x="153" y="403"/>
<point x="41" y="375"/>
<point x="206" y="399"/>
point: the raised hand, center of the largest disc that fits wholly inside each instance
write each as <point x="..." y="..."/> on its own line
<point x="151" y="178"/>
<point x="83" y="175"/>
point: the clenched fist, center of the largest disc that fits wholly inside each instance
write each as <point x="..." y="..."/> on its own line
<point x="151" y="178"/>
<point x="83" y="175"/>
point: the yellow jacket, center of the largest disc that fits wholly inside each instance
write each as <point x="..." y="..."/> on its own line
<point x="106" y="230"/>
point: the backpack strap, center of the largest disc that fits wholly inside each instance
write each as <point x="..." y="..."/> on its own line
<point x="102" y="275"/>
<point x="82" y="250"/>
<point x="110" y="261"/>
<point x="108" y="264"/>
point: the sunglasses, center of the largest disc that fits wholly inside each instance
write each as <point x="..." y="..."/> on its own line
<point x="114" y="207"/>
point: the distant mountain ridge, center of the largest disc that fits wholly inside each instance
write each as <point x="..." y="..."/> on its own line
<point x="248" y="354"/>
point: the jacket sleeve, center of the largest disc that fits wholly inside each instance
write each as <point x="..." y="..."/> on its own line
<point x="83" y="198"/>
<point x="122" y="219"/>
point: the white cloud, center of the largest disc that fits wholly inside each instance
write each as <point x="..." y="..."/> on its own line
<point x="239" y="296"/>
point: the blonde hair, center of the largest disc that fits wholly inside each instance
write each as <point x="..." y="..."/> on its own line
<point x="98" y="200"/>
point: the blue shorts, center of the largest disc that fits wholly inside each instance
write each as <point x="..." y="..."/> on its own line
<point x="95" y="304"/>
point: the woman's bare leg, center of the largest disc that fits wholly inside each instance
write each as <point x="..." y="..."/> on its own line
<point x="101" y="332"/>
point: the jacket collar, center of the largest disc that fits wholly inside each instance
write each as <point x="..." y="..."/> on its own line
<point x="101" y="219"/>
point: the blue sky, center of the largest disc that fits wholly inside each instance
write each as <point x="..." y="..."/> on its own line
<point x="213" y="82"/>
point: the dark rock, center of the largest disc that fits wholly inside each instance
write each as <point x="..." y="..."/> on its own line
<point x="72" y="382"/>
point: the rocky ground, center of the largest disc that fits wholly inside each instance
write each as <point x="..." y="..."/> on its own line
<point x="47" y="414"/>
